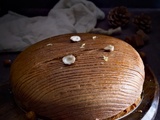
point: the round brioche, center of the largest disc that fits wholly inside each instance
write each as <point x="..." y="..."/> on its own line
<point x="100" y="84"/>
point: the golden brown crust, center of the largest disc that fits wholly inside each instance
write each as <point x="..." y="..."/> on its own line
<point x="90" y="88"/>
<point x="127" y="110"/>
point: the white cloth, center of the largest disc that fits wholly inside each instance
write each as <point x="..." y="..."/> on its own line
<point x="68" y="16"/>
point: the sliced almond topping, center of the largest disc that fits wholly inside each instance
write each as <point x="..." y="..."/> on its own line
<point x="109" y="48"/>
<point x="75" y="38"/>
<point x="69" y="59"/>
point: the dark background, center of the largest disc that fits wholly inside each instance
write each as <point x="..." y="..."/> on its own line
<point x="32" y="7"/>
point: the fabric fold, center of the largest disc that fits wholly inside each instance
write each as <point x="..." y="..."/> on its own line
<point x="67" y="16"/>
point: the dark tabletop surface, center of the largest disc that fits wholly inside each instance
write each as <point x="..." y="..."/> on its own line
<point x="152" y="49"/>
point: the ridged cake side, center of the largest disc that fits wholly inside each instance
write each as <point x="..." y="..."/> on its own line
<point x="91" y="88"/>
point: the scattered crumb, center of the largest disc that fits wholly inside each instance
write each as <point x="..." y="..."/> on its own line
<point x="49" y="44"/>
<point x="7" y="62"/>
<point x="140" y="111"/>
<point x="94" y="37"/>
<point x="102" y="63"/>
<point x="105" y="58"/>
<point x="83" y="45"/>
<point x="97" y="119"/>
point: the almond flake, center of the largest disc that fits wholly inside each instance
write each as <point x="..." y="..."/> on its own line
<point x="69" y="59"/>
<point x="49" y="44"/>
<point x="75" y="38"/>
<point x="109" y="48"/>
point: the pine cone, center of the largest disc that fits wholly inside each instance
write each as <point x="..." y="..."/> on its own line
<point x="143" y="22"/>
<point x="118" y="16"/>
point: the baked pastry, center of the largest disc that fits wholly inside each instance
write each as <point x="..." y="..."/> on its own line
<point x="78" y="77"/>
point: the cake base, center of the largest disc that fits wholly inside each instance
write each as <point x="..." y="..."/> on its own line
<point x="31" y="115"/>
<point x="146" y="109"/>
<point x="127" y="111"/>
